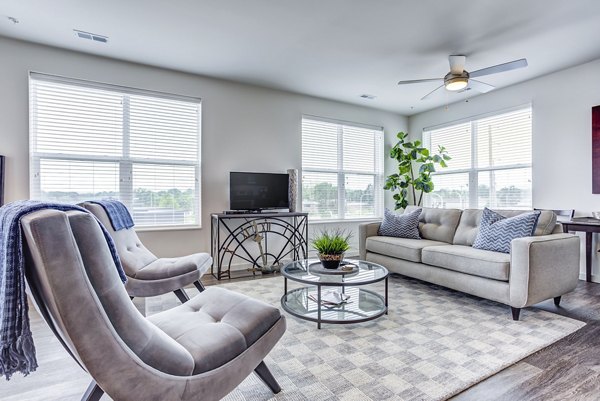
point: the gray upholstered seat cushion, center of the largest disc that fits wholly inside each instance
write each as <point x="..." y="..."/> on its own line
<point x="469" y="224"/>
<point x="171" y="267"/>
<point x="403" y="248"/>
<point x="437" y="224"/>
<point x="465" y="259"/>
<point x="217" y="325"/>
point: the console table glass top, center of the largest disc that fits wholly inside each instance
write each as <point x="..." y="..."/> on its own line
<point x="303" y="272"/>
<point x="363" y="304"/>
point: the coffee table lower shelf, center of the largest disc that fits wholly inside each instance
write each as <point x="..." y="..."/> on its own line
<point x="363" y="305"/>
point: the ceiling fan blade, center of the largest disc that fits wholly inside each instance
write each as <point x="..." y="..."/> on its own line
<point x="427" y="95"/>
<point x="457" y="64"/>
<point x="511" y="65"/>
<point x="416" y="81"/>
<point x="479" y="86"/>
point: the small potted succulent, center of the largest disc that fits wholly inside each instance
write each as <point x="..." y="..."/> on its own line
<point x="331" y="246"/>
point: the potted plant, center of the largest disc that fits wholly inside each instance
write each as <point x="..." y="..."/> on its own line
<point x="415" y="165"/>
<point x="331" y="246"/>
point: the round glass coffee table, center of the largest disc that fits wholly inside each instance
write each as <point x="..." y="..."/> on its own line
<point x="310" y="302"/>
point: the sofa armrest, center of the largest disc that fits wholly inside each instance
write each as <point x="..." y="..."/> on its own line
<point x="366" y="230"/>
<point x="543" y="267"/>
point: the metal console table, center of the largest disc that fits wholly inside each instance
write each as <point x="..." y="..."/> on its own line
<point x="251" y="237"/>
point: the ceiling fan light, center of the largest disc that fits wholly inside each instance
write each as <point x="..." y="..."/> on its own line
<point x="456" y="84"/>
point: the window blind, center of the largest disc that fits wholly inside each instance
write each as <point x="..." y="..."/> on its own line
<point x="491" y="162"/>
<point x="92" y="141"/>
<point x="342" y="170"/>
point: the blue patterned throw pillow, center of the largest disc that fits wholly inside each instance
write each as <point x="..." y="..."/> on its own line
<point x="401" y="225"/>
<point x="497" y="231"/>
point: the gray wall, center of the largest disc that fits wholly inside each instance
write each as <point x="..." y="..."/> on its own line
<point x="562" y="139"/>
<point x="243" y="127"/>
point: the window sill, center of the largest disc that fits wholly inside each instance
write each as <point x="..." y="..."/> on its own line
<point x="337" y="221"/>
<point x="167" y="228"/>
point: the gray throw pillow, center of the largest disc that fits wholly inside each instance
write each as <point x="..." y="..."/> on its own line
<point x="401" y="225"/>
<point x="497" y="231"/>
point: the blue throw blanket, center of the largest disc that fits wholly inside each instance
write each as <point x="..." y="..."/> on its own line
<point x="17" y="352"/>
<point x="117" y="213"/>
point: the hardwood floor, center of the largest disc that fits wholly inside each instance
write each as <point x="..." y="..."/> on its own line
<point x="566" y="370"/>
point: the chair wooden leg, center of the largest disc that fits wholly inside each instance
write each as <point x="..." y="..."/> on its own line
<point x="181" y="295"/>
<point x="515" y="313"/>
<point x="265" y="375"/>
<point x="557" y="301"/>
<point x="199" y="285"/>
<point x="93" y="392"/>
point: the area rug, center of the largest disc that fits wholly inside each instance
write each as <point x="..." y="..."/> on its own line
<point x="433" y="344"/>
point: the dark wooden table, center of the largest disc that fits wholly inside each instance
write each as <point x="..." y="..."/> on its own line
<point x="588" y="225"/>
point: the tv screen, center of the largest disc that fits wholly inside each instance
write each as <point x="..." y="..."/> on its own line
<point x="256" y="191"/>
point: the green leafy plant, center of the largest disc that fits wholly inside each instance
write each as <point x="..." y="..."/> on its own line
<point x="415" y="165"/>
<point x="333" y="242"/>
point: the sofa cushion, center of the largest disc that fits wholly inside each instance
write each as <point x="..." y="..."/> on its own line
<point x="465" y="259"/>
<point x="402" y="248"/>
<point x="400" y="225"/>
<point x="438" y="224"/>
<point x="497" y="231"/>
<point x="470" y="219"/>
<point x="217" y="325"/>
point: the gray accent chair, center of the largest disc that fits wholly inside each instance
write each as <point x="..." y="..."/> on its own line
<point x="148" y="275"/>
<point x="200" y="350"/>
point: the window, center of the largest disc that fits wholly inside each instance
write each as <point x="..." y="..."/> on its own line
<point x="342" y="170"/>
<point x="491" y="162"/>
<point x="91" y="141"/>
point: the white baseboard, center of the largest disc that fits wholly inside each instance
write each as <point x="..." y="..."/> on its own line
<point x="595" y="277"/>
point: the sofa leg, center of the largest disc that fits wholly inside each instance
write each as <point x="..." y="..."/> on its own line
<point x="199" y="285"/>
<point x="93" y="392"/>
<point x="267" y="377"/>
<point x="183" y="298"/>
<point x="557" y="301"/>
<point x="515" y="313"/>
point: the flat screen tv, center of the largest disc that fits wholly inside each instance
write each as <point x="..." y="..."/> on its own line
<point x="258" y="191"/>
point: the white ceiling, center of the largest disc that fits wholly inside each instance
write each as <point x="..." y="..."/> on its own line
<point x="336" y="49"/>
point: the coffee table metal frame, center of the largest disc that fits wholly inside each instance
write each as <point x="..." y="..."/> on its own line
<point x="309" y="279"/>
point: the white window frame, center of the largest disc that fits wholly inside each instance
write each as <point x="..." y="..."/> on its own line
<point x="378" y="178"/>
<point x="126" y="162"/>
<point x="474" y="170"/>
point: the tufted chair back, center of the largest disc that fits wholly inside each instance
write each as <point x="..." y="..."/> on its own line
<point x="134" y="255"/>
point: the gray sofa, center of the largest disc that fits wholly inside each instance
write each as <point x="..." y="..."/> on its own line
<point x="540" y="267"/>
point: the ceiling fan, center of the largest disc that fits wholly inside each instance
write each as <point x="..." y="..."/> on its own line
<point x="460" y="80"/>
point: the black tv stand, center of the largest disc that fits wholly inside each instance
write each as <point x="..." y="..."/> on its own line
<point x="263" y="240"/>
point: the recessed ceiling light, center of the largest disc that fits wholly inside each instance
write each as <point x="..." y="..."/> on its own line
<point x="91" y="36"/>
<point x="370" y="97"/>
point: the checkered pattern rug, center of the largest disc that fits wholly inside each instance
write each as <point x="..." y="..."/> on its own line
<point x="433" y="344"/>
